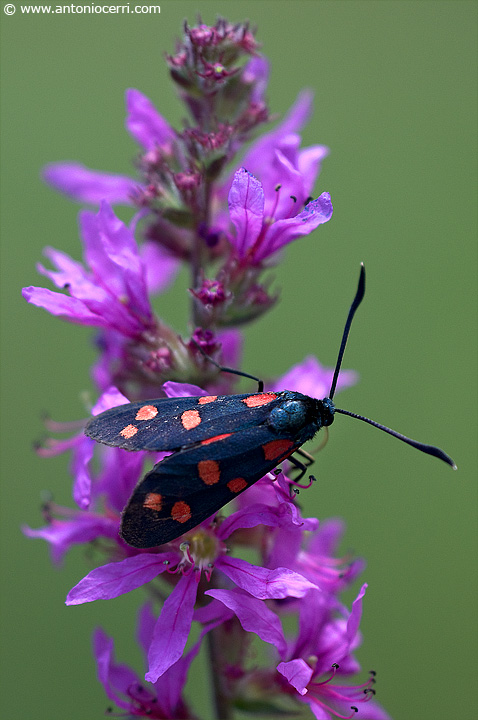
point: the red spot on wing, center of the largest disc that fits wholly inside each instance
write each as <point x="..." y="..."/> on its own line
<point x="181" y="512"/>
<point x="209" y="471"/>
<point x="147" y="412"/>
<point x="259" y="399"/>
<point x="216" y="437"/>
<point x="237" y="485"/>
<point x="153" y="501"/>
<point x="190" y="419"/>
<point x="128" y="431"/>
<point x="207" y="399"/>
<point x="277" y="448"/>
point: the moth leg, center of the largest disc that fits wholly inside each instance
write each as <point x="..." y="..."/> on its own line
<point x="302" y="469"/>
<point x="306" y="456"/>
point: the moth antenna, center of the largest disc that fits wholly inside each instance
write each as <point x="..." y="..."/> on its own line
<point x="356" y="302"/>
<point x="428" y="449"/>
<point x="260" y="383"/>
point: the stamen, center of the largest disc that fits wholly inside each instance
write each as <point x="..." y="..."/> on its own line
<point x="208" y="572"/>
<point x="292" y="210"/>
<point x="188" y="553"/>
<point x="276" y="202"/>
<point x="312" y="480"/>
<point x="335" y="667"/>
<point x="109" y="713"/>
<point x="366" y="685"/>
<point x="186" y="572"/>
<point x="335" y="714"/>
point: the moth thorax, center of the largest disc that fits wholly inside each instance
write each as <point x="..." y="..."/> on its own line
<point x="291" y="415"/>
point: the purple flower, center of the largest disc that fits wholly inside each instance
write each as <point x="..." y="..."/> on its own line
<point x="277" y="159"/>
<point x="147" y="127"/>
<point x="90" y="186"/>
<point x="161" y="700"/>
<point x="145" y="123"/>
<point x="203" y="549"/>
<point x="114" y="483"/>
<point x="73" y="527"/>
<point x="323" y="649"/>
<point x="260" y="235"/>
<point x="313" y="555"/>
<point x="113" y="294"/>
<point x="313" y="379"/>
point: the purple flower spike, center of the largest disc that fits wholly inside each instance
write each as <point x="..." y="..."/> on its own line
<point x="227" y="227"/>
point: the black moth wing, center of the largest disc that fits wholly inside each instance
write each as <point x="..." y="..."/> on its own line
<point x="172" y="423"/>
<point x="191" y="485"/>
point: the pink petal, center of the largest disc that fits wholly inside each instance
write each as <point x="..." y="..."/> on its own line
<point x="82" y="454"/>
<point x="262" y="582"/>
<point x="282" y="232"/>
<point x="246" y="208"/>
<point x="311" y="378"/>
<point x="172" y="629"/>
<point x="110" y="398"/>
<point x="297" y="672"/>
<point x="253" y="615"/>
<point x="90" y="186"/>
<point x="145" y="123"/>
<point x="113" y="676"/>
<point x="63" y="306"/>
<point x="114" y="579"/>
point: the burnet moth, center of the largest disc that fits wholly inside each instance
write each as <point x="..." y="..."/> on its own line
<point x="220" y="446"/>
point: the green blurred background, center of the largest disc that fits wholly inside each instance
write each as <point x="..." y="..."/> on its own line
<point x="395" y="86"/>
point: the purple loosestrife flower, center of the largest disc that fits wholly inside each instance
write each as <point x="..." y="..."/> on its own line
<point x="110" y="487"/>
<point x="137" y="348"/>
<point x="162" y="700"/>
<point x="113" y="485"/>
<point x="204" y="549"/>
<point x="323" y="648"/>
<point x="113" y="294"/>
<point x="276" y="158"/>
<point x="147" y="127"/>
<point x="311" y="378"/>
<point x="72" y="527"/>
<point x="313" y="556"/>
<point x="260" y="235"/>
